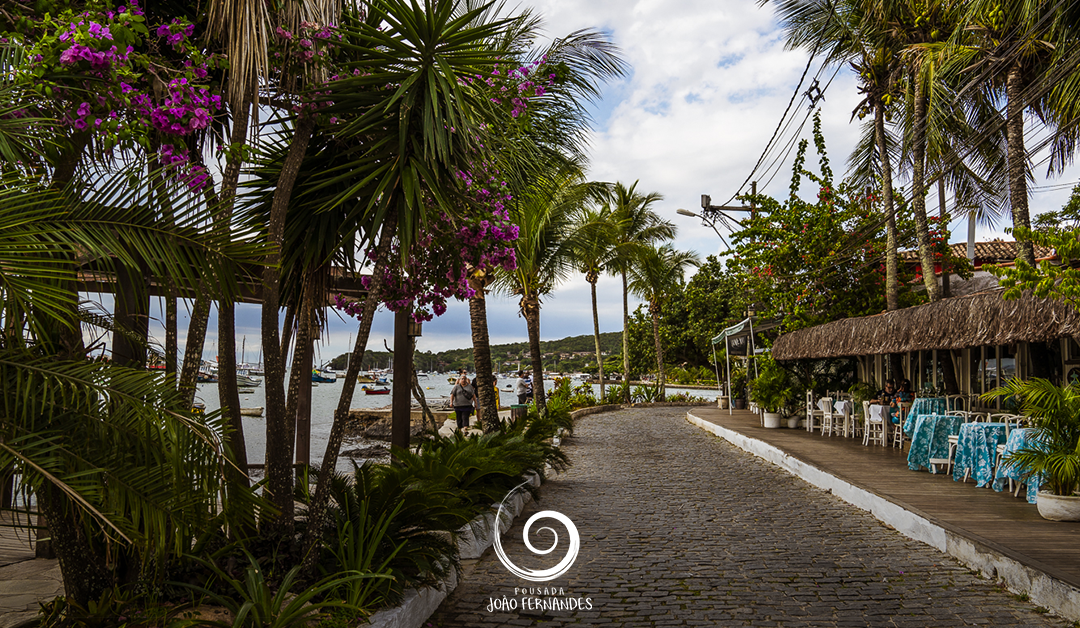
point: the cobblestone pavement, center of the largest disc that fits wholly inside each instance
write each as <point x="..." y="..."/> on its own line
<point x="679" y="528"/>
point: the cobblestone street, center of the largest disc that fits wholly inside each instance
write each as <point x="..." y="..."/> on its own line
<point x="679" y="528"/>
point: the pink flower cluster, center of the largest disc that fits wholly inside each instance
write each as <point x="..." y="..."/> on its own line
<point x="515" y="88"/>
<point x="178" y="161"/>
<point x="90" y="41"/>
<point x="452" y="249"/>
<point x="176" y="33"/>
<point x="185" y="108"/>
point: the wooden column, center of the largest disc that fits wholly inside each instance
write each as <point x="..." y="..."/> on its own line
<point x="401" y="412"/>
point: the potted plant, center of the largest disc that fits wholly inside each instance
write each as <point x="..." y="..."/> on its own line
<point x="1053" y="459"/>
<point x="772" y="391"/>
<point x="738" y="387"/>
<point x="860" y="392"/>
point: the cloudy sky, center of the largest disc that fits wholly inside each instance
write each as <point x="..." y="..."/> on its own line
<point x="709" y="83"/>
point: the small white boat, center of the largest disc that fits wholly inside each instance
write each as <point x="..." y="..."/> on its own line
<point x="251" y="411"/>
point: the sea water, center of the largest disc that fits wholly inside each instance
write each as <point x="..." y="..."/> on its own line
<point x="324" y="400"/>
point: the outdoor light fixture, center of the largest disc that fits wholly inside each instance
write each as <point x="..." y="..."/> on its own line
<point x="712" y="214"/>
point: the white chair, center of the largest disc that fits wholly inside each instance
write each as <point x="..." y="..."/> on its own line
<point x="842" y="418"/>
<point x="873" y="426"/>
<point x="828" y="416"/>
<point x="814" y="415"/>
<point x="897" y="429"/>
<point x="853" y="425"/>
<point x="956" y="402"/>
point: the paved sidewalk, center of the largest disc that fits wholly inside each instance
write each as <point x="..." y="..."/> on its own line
<point x="679" y="528"/>
<point x="23" y="586"/>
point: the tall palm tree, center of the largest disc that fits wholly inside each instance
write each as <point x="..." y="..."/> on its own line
<point x="550" y="134"/>
<point x="850" y="32"/>
<point x="651" y="278"/>
<point x="544" y="213"/>
<point x="591" y="256"/>
<point x="636" y="227"/>
<point x="1027" y="52"/>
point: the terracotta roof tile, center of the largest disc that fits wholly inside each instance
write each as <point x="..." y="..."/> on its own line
<point x="994" y="251"/>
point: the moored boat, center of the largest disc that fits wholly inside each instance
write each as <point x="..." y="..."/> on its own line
<point x="251" y="411"/>
<point x="317" y="376"/>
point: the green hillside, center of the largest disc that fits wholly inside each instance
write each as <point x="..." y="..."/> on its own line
<point x="507" y="356"/>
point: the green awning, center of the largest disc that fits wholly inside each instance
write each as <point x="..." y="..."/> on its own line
<point x="744" y="327"/>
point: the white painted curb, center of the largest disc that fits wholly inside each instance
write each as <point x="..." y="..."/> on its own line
<point x="1042" y="589"/>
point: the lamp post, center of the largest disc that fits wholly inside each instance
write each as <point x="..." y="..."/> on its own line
<point x="712" y="214"/>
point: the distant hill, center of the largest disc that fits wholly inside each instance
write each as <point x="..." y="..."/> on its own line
<point x="503" y="355"/>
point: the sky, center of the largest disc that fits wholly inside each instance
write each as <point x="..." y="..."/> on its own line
<point x="709" y="83"/>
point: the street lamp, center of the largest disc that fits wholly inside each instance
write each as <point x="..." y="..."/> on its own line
<point x="711" y="214"/>
<point x="704" y="221"/>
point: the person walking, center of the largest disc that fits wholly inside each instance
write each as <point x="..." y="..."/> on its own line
<point x="521" y="388"/>
<point x="463" y="398"/>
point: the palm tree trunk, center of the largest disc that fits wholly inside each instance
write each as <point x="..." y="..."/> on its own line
<point x="655" y="311"/>
<point x="193" y="346"/>
<point x="945" y="288"/>
<point x="84" y="572"/>
<point x="485" y="382"/>
<point x="596" y="337"/>
<point x="918" y="193"/>
<point x="228" y="390"/>
<point x="892" y="282"/>
<point x="279" y="425"/>
<point x="530" y="308"/>
<point x="625" y="340"/>
<point x="171" y="342"/>
<point x="317" y="509"/>
<point x="300" y="374"/>
<point x="1017" y="154"/>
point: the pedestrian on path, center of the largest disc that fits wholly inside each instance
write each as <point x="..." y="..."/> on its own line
<point x="463" y="398"/>
<point x="521" y="388"/>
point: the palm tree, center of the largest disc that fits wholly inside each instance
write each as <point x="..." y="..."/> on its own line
<point x="397" y="151"/>
<point x="550" y="135"/>
<point x="1025" y="51"/>
<point x="544" y="213"/>
<point x="651" y="278"/>
<point x="636" y="226"/>
<point x="591" y="255"/>
<point x="850" y="32"/>
<point x="119" y="471"/>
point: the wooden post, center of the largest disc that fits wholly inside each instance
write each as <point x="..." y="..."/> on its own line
<point x="401" y="409"/>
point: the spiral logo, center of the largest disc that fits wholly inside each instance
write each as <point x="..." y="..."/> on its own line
<point x="541" y="575"/>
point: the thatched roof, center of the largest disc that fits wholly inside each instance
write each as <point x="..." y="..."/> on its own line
<point x="984" y="318"/>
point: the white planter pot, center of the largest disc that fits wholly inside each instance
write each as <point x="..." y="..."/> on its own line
<point x="793" y="422"/>
<point x="772" y="419"/>
<point x="1059" y="507"/>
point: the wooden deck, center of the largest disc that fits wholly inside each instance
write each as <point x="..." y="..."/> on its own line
<point x="16" y="543"/>
<point x="1004" y="523"/>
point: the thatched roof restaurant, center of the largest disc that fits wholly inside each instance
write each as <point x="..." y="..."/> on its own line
<point x="974" y="320"/>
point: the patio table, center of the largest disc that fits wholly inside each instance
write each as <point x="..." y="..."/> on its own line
<point x="1019" y="438"/>
<point x="922" y="406"/>
<point x="839" y="407"/>
<point x="930" y="439"/>
<point x="975" y="451"/>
